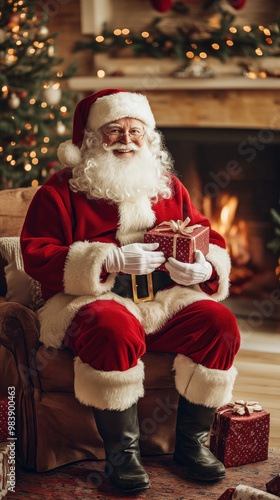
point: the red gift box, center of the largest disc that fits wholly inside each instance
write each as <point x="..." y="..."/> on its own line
<point x="227" y="495"/>
<point x="4" y="433"/>
<point x="179" y="240"/>
<point x="240" y="434"/>
<point x="273" y="486"/>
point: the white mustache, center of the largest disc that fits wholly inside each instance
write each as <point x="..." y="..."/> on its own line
<point x="118" y="145"/>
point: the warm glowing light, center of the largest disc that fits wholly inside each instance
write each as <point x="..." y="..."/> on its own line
<point x="19" y="42"/>
<point x="215" y="46"/>
<point x="28" y="126"/>
<point x="99" y="38"/>
<point x="59" y="74"/>
<point x="44" y="104"/>
<point x="247" y="28"/>
<point x="190" y="54"/>
<point x="32" y="101"/>
<point x="35" y="161"/>
<point x="56" y="86"/>
<point x="15" y="29"/>
<point x="259" y="51"/>
<point x="13" y="143"/>
<point x="11" y="51"/>
<point x="34" y="183"/>
<point x="229" y="43"/>
<point x="33" y="154"/>
<point x="27" y="167"/>
<point x="44" y="150"/>
<point x="31" y="50"/>
<point x="125" y="31"/>
<point x="18" y="132"/>
<point x="262" y="74"/>
<point x="51" y="116"/>
<point x="145" y="34"/>
<point x="1" y="149"/>
<point x="101" y="73"/>
<point x="25" y="34"/>
<point x="267" y="32"/>
<point x="261" y="28"/>
<point x="203" y="55"/>
<point x="117" y="32"/>
<point x="13" y="162"/>
<point x="268" y="40"/>
<point x="252" y="75"/>
<point x="193" y="46"/>
<point x="46" y="139"/>
<point x="9" y="157"/>
<point x="128" y="41"/>
<point x="232" y="29"/>
<point x="63" y="109"/>
<point x="4" y="88"/>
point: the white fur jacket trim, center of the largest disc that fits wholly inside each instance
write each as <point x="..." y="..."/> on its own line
<point x="201" y="385"/>
<point x="113" y="390"/>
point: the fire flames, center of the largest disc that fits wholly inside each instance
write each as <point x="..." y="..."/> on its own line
<point x="222" y="215"/>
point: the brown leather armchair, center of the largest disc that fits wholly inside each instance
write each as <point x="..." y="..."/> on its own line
<point x="52" y="427"/>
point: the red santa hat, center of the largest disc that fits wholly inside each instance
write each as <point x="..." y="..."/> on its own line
<point x="100" y="108"/>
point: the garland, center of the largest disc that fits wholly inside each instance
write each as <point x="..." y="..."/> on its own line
<point x="222" y="41"/>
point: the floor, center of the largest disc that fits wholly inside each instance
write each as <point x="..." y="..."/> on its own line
<point x="258" y="361"/>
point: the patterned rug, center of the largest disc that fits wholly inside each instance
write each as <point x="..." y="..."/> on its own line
<point x="85" y="480"/>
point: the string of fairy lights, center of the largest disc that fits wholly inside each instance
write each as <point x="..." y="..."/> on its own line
<point x="33" y="110"/>
<point x="191" y="42"/>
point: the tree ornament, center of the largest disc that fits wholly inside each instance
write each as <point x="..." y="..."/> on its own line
<point x="161" y="5"/>
<point x="60" y="127"/>
<point x="237" y="4"/>
<point x="52" y="94"/>
<point x="43" y="31"/>
<point x="14" y="20"/>
<point x="52" y="164"/>
<point x="14" y="101"/>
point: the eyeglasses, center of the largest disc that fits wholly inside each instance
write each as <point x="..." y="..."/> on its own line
<point x="116" y="134"/>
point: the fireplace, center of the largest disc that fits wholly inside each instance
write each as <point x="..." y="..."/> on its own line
<point x="233" y="177"/>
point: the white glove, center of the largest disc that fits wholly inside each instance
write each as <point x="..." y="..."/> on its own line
<point x="136" y="258"/>
<point x="189" y="274"/>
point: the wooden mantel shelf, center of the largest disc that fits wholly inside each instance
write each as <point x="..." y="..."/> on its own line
<point x="217" y="102"/>
<point x="158" y="82"/>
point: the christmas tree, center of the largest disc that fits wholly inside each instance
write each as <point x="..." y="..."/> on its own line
<point x="36" y="110"/>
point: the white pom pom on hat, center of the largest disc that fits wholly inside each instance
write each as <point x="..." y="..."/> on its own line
<point x="100" y="108"/>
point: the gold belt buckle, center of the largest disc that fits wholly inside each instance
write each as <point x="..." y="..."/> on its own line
<point x="135" y="292"/>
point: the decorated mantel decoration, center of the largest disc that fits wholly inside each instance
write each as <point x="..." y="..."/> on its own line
<point x="240" y="433"/>
<point x="217" y="36"/>
<point x="179" y="239"/>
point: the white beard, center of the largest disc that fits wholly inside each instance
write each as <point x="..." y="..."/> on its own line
<point x="102" y="175"/>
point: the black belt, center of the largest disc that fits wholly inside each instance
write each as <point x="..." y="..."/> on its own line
<point x="137" y="287"/>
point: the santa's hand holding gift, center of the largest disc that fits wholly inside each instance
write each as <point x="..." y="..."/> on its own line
<point x="83" y="240"/>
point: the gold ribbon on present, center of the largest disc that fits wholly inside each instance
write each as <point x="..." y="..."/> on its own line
<point x="245" y="407"/>
<point x="179" y="227"/>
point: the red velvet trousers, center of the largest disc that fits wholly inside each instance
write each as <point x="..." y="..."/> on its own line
<point x="108" y="337"/>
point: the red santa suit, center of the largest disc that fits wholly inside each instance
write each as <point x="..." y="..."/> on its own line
<point x="65" y="240"/>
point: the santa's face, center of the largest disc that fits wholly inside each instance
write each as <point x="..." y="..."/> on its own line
<point x="123" y="137"/>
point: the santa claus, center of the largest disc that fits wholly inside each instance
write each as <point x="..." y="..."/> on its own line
<point x="83" y="240"/>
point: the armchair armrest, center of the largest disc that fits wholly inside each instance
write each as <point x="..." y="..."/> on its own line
<point x="19" y="341"/>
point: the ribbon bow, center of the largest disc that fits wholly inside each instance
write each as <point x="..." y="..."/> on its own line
<point x="177" y="227"/>
<point x="245" y="407"/>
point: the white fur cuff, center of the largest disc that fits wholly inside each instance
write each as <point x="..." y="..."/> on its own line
<point x="113" y="390"/>
<point x="83" y="268"/>
<point x="201" y="385"/>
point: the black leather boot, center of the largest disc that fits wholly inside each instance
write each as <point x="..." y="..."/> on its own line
<point x="193" y="427"/>
<point x="120" y="433"/>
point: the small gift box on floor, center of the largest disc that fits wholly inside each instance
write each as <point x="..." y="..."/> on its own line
<point x="273" y="486"/>
<point x="4" y="433"/>
<point x="243" y="492"/>
<point x="240" y="433"/>
<point x="179" y="240"/>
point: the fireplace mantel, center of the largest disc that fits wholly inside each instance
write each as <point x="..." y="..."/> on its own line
<point x="235" y="102"/>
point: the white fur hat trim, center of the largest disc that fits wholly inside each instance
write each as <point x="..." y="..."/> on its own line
<point x="120" y="105"/>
